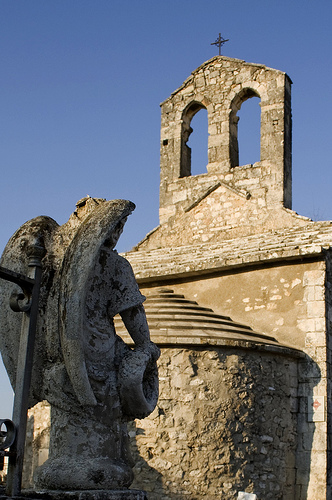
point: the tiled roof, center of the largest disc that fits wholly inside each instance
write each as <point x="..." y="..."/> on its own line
<point x="193" y="259"/>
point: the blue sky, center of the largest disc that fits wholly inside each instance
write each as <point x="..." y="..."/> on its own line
<point x="80" y="87"/>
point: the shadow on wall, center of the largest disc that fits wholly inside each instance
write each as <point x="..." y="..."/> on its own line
<point x="239" y="421"/>
<point x="150" y="480"/>
<point x="311" y="419"/>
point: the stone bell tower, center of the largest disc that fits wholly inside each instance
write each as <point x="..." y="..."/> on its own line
<point x="221" y="85"/>
<point x="229" y="200"/>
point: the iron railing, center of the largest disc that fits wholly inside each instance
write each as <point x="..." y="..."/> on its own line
<point x="13" y="432"/>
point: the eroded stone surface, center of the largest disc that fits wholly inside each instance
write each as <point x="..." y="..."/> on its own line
<point x="78" y="356"/>
<point x="225" y="422"/>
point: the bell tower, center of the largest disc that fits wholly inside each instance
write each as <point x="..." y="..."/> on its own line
<point x="221" y="85"/>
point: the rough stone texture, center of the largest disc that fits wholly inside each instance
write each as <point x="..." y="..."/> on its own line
<point x="37" y="441"/>
<point x="326" y="354"/>
<point x="290" y="301"/>
<point x="229" y="201"/>
<point x="225" y="422"/>
<point x="92" y="380"/>
<point x="229" y="196"/>
<point x="246" y="496"/>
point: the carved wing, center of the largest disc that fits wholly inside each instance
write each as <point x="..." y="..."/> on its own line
<point x="14" y="258"/>
<point x="76" y="275"/>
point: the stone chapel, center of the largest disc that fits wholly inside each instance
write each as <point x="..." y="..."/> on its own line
<point x="238" y="291"/>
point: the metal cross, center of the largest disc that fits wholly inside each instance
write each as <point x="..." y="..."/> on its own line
<point x="219" y="42"/>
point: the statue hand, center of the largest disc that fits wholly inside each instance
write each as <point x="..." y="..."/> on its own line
<point x="150" y="348"/>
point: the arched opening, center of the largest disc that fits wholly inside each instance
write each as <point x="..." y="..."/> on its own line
<point x="249" y="127"/>
<point x="194" y="140"/>
<point x="245" y="125"/>
<point x="198" y="142"/>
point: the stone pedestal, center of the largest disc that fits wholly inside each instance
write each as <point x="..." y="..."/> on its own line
<point x="79" y="495"/>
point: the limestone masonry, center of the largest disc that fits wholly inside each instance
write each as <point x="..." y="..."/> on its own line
<point x="238" y="291"/>
<point x="229" y="240"/>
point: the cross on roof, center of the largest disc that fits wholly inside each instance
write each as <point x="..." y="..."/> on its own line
<point x="219" y="42"/>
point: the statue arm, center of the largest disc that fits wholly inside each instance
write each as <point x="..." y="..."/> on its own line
<point x="134" y="319"/>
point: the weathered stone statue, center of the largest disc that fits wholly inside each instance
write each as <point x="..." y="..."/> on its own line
<point x="93" y="381"/>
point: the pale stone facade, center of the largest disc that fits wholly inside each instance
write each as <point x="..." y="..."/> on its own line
<point x="241" y="409"/>
<point x="229" y="240"/>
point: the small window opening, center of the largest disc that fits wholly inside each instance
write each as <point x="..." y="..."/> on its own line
<point x="194" y="150"/>
<point x="249" y="130"/>
<point x="198" y="142"/>
<point x="245" y="125"/>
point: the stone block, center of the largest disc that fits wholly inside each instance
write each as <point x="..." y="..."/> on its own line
<point x="319" y="440"/>
<point x="306" y="324"/>
<point x="309" y="293"/>
<point x="316" y="309"/>
<point x="314" y="278"/>
<point x="317" y="340"/>
<point x="319" y="292"/>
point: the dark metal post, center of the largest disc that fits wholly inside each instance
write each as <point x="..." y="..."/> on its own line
<point x="24" y="370"/>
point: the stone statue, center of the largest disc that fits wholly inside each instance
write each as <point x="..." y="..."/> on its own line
<point x="93" y="381"/>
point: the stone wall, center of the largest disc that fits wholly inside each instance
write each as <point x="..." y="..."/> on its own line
<point x="226" y="212"/>
<point x="280" y="300"/>
<point x="225" y="422"/>
<point x="287" y="301"/>
<point x="37" y="441"/>
<point x="328" y="359"/>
